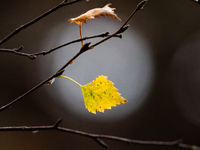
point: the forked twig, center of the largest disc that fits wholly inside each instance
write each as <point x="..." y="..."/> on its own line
<point x="35" y="55"/>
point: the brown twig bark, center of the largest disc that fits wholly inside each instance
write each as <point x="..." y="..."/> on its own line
<point x="98" y="137"/>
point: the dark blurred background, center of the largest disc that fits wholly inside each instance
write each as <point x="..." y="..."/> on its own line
<point x="155" y="66"/>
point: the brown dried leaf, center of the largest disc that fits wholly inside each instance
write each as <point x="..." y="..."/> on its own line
<point x="96" y="12"/>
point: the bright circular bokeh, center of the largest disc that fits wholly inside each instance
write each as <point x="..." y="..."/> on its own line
<point x="127" y="62"/>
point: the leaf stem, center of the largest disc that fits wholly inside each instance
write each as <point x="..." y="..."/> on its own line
<point x="70" y="80"/>
<point x="81" y="34"/>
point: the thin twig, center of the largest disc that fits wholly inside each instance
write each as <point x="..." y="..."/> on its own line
<point x="85" y="48"/>
<point x="74" y="41"/>
<point x="17" y="30"/>
<point x="16" y="51"/>
<point x="35" y="55"/>
<point x="98" y="137"/>
<point x="31" y="90"/>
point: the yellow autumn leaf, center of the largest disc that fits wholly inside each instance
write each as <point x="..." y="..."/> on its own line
<point x="100" y="94"/>
<point x="96" y="12"/>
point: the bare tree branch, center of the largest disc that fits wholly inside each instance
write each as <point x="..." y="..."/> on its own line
<point x="85" y="48"/>
<point x="74" y="41"/>
<point x="17" y="30"/>
<point x="98" y="137"/>
<point x="35" y="55"/>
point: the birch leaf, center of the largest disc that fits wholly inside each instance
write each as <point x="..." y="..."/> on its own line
<point x="100" y="94"/>
<point x="96" y="12"/>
